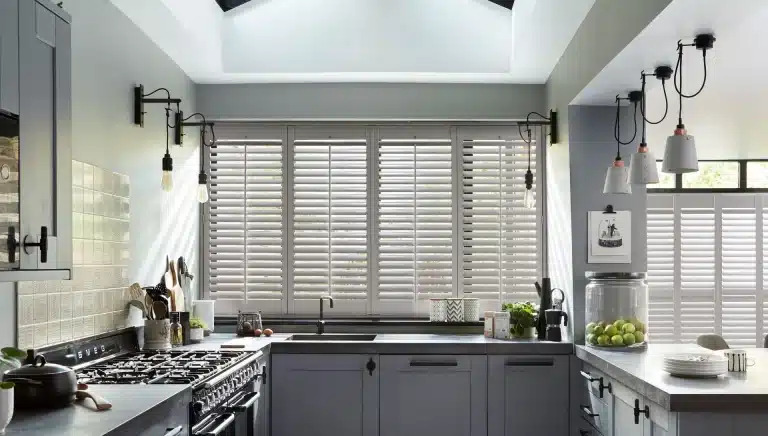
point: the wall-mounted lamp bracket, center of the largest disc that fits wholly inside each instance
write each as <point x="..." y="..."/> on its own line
<point x="554" y="131"/>
<point x="140" y="99"/>
<point x="179" y="124"/>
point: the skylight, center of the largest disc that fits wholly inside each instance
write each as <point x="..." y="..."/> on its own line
<point x="231" y="4"/>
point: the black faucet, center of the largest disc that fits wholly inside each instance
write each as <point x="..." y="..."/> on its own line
<point x="321" y="321"/>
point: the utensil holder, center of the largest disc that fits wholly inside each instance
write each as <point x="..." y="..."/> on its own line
<point x="471" y="310"/>
<point x="6" y="407"/>
<point x="438" y="310"/>
<point x="157" y="334"/>
<point x="455" y="309"/>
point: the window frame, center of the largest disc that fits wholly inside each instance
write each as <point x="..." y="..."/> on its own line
<point x="741" y="189"/>
<point x="373" y="135"/>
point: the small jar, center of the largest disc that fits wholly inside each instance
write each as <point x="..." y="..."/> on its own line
<point x="177" y="337"/>
<point x="616" y="311"/>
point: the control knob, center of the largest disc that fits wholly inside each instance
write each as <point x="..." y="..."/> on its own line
<point x="198" y="407"/>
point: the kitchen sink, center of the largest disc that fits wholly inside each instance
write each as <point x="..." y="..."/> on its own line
<point x="325" y="337"/>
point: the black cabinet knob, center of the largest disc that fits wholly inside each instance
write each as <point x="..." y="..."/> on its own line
<point x="43" y="244"/>
<point x="645" y="411"/>
<point x="12" y="244"/>
<point x="370" y="366"/>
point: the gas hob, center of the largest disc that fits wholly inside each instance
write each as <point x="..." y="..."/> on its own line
<point x="160" y="367"/>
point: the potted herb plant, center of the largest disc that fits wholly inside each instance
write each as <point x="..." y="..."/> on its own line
<point x="196" y="330"/>
<point x="522" y="319"/>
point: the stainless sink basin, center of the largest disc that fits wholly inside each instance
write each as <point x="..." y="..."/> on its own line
<point x="331" y="337"/>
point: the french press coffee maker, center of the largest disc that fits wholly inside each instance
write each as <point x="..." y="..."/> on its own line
<point x="553" y="317"/>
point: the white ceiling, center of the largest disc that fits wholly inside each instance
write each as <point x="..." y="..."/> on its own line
<point x="463" y="41"/>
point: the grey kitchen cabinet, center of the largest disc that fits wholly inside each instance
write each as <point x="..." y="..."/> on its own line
<point x="624" y="420"/>
<point x="433" y="395"/>
<point x="324" y="395"/>
<point x="45" y="150"/>
<point x="528" y="395"/>
<point x="9" y="56"/>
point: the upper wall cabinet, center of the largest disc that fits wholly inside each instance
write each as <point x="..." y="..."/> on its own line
<point x="9" y="56"/>
<point x="38" y="190"/>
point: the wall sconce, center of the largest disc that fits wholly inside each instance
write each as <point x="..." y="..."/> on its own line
<point x="140" y="99"/>
<point x="178" y="136"/>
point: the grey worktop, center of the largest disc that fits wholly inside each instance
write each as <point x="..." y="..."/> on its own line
<point x="641" y="372"/>
<point x="82" y="418"/>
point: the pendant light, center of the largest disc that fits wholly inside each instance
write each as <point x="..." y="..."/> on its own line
<point x="680" y="153"/>
<point x="617" y="176"/>
<point x="202" y="178"/>
<point x="642" y="167"/>
<point x="529" y="198"/>
<point x="167" y="181"/>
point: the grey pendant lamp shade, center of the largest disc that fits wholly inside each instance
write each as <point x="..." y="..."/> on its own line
<point x="642" y="167"/>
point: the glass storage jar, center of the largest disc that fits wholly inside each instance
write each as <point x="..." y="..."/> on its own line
<point x="616" y="311"/>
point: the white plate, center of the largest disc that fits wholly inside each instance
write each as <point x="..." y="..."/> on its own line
<point x="695" y="358"/>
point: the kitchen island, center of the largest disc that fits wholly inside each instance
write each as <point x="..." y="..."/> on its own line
<point x="629" y="393"/>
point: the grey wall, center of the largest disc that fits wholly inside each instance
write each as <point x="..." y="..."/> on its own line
<point x="109" y="55"/>
<point x="369" y="100"/>
<point x="592" y="150"/>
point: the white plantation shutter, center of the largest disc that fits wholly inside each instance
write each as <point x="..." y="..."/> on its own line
<point x="716" y="282"/>
<point x="330" y="209"/>
<point x="245" y="216"/>
<point x="415" y="219"/>
<point x="500" y="238"/>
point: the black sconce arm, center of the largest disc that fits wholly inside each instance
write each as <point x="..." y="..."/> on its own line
<point x="140" y="99"/>
<point x="178" y="135"/>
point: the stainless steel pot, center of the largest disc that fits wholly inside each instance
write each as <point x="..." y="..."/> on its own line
<point x="40" y="384"/>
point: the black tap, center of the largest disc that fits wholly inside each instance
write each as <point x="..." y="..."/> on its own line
<point x="321" y="321"/>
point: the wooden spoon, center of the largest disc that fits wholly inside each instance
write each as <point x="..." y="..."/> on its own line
<point x="83" y="393"/>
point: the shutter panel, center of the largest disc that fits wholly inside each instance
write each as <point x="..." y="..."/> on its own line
<point x="738" y="240"/>
<point x="415" y="219"/>
<point x="500" y="244"/>
<point x="661" y="268"/>
<point x="330" y="195"/>
<point x="245" y="219"/>
<point x="697" y="266"/>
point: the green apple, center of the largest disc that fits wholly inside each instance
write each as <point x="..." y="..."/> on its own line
<point x="617" y="340"/>
<point x="628" y="328"/>
<point x="629" y="338"/>
<point x="592" y="339"/>
<point x="598" y="330"/>
<point x="601" y="324"/>
<point x="639" y="337"/>
<point x="603" y="340"/>
<point x="618" y="323"/>
<point x="611" y="331"/>
<point x="638" y="325"/>
<point x="591" y="328"/>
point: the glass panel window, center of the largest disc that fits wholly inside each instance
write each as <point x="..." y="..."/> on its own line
<point x="757" y="174"/>
<point x="666" y="180"/>
<point x="713" y="175"/>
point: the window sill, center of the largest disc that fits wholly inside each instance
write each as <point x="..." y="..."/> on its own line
<point x="356" y="322"/>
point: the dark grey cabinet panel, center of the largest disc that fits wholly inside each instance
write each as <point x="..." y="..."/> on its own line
<point x="9" y="55"/>
<point x="433" y="395"/>
<point x="528" y="395"/>
<point x="324" y="395"/>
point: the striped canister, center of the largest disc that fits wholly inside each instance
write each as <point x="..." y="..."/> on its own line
<point x="455" y="309"/>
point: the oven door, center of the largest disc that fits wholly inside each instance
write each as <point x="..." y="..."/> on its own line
<point x="217" y="424"/>
<point x="245" y="406"/>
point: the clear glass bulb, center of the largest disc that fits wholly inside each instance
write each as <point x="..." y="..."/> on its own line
<point x="202" y="193"/>
<point x="167" y="182"/>
<point x="529" y="200"/>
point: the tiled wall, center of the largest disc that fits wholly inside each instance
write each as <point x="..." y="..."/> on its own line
<point x="94" y="301"/>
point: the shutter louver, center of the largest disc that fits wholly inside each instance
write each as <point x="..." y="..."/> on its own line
<point x="661" y="269"/>
<point x="500" y="237"/>
<point x="330" y="245"/>
<point x="415" y="213"/>
<point x="245" y="220"/>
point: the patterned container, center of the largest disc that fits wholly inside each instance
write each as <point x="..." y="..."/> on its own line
<point x="455" y="309"/>
<point x="471" y="310"/>
<point x="438" y="310"/>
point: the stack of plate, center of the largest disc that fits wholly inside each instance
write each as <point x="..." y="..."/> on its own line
<point x="701" y="365"/>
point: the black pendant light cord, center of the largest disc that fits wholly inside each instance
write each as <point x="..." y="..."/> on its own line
<point x="643" y="107"/>
<point x="679" y="72"/>
<point x="167" y="126"/>
<point x="616" y="130"/>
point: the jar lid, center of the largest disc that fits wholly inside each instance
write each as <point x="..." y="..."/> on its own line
<point x="594" y="275"/>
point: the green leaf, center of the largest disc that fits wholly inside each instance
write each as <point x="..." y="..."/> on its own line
<point x="7" y="385"/>
<point x="13" y="352"/>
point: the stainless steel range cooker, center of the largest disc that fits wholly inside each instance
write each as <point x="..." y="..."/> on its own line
<point x="226" y="385"/>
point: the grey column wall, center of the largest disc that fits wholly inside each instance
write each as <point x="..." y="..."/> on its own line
<point x="592" y="149"/>
<point x="369" y="100"/>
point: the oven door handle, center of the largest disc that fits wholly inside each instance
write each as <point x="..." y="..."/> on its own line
<point x="247" y="404"/>
<point x="220" y="428"/>
<point x="223" y="376"/>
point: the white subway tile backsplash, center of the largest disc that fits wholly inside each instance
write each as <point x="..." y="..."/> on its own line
<point x="94" y="301"/>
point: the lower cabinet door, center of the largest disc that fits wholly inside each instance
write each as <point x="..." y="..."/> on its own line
<point x="324" y="395"/>
<point x="624" y="420"/>
<point x="528" y="395"/>
<point x="433" y="395"/>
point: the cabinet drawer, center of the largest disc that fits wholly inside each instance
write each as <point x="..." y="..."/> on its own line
<point x="596" y="383"/>
<point x="598" y="413"/>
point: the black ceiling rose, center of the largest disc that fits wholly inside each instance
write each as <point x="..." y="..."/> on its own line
<point x="231" y="4"/>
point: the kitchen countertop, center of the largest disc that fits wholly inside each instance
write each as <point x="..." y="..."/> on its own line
<point x="641" y="372"/>
<point x="82" y="418"/>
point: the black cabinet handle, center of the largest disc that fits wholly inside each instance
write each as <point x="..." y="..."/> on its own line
<point x="43" y="244"/>
<point x="602" y="386"/>
<point x="587" y="411"/>
<point x="370" y="366"/>
<point x="583" y="432"/>
<point x="263" y="374"/>
<point x="12" y="244"/>
<point x="548" y="362"/>
<point x="646" y="411"/>
<point x="421" y="363"/>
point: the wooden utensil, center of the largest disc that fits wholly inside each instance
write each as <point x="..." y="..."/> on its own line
<point x="83" y="393"/>
<point x="160" y="310"/>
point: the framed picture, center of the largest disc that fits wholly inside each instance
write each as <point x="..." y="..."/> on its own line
<point x="610" y="237"/>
